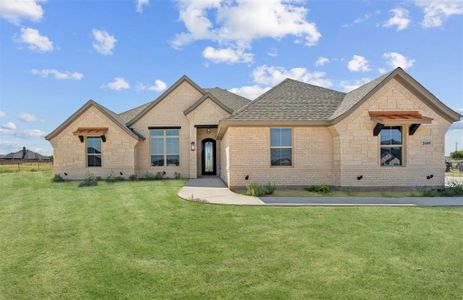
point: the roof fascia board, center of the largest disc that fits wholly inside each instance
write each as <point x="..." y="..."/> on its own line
<point x="80" y="111"/>
<point x="164" y="95"/>
<point x="444" y="110"/>
<point x="204" y="98"/>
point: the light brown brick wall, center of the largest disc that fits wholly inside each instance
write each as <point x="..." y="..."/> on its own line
<point x="249" y="154"/>
<point x="359" y="149"/>
<point x="70" y="154"/>
<point x="169" y="112"/>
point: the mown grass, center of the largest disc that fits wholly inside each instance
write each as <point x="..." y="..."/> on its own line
<point x="138" y="240"/>
<point x="24" y="167"/>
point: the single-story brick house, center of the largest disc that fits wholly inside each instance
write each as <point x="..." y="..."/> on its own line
<point x="386" y="133"/>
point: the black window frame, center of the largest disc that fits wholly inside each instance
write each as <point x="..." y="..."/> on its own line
<point x="391" y="146"/>
<point x="89" y="154"/>
<point x="281" y="147"/>
<point x="166" y="156"/>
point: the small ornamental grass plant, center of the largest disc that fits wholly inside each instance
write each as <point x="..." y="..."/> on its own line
<point x="256" y="190"/>
<point x="320" y="189"/>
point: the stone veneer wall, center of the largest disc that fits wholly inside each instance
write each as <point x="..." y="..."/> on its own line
<point x="358" y="150"/>
<point x="69" y="154"/>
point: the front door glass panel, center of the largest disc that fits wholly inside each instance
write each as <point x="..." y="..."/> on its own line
<point x="208" y="157"/>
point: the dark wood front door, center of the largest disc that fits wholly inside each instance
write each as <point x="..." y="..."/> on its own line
<point x="208" y="161"/>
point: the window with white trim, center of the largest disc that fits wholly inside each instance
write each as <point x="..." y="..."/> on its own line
<point x="281" y="147"/>
<point x="391" y="152"/>
<point x="165" y="147"/>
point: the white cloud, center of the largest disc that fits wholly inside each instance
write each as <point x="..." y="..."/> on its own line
<point x="270" y="75"/>
<point x="400" y="19"/>
<point x="9" y="126"/>
<point x="62" y="75"/>
<point x="14" y="11"/>
<point x="358" y="64"/>
<point x="27" y="117"/>
<point x="141" y="5"/>
<point x="241" y="22"/>
<point x="118" y="84"/>
<point x="227" y="55"/>
<point x="250" y="92"/>
<point x="103" y="43"/>
<point x="2" y="114"/>
<point x="273" y="52"/>
<point x="36" y="133"/>
<point x="321" y="61"/>
<point x="382" y="70"/>
<point x="158" y="86"/>
<point x="367" y="16"/>
<point x="22" y="133"/>
<point x="437" y="11"/>
<point x="395" y="60"/>
<point x="348" y="85"/>
<point x="35" y="40"/>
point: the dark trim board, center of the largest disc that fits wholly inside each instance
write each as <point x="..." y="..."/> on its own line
<point x="207" y="126"/>
<point x="164" y="127"/>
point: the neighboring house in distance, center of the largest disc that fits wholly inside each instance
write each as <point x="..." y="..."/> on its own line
<point x="25" y="154"/>
<point x="387" y="133"/>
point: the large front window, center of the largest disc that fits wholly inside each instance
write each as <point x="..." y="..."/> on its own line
<point x="391" y="146"/>
<point x="93" y="151"/>
<point x="165" y="147"/>
<point x="281" y="147"/>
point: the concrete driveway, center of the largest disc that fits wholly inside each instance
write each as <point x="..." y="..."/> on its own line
<point x="364" y="201"/>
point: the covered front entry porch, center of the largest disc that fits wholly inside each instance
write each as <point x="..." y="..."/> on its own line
<point x="207" y="151"/>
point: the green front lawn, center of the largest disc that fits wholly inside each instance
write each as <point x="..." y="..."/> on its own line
<point x="139" y="240"/>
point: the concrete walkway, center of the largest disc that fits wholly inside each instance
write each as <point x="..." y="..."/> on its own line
<point x="213" y="190"/>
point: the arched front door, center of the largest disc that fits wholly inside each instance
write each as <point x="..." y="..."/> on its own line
<point x="208" y="161"/>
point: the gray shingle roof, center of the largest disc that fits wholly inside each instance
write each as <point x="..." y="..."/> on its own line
<point x="128" y="115"/>
<point x="354" y="96"/>
<point x="292" y="100"/>
<point x="229" y="99"/>
<point x="28" y="155"/>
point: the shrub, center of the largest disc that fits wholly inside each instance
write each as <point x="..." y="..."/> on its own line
<point x="254" y="189"/>
<point x="133" y="177"/>
<point x="89" y="180"/>
<point x="454" y="190"/>
<point x="457" y="155"/>
<point x="426" y="193"/>
<point x="57" y="178"/>
<point x="320" y="189"/>
<point x="151" y="176"/>
<point x="177" y="175"/>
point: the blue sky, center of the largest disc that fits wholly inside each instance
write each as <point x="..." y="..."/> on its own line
<point x="55" y="55"/>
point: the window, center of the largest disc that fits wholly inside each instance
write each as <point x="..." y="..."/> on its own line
<point x="93" y="151"/>
<point x="165" y="147"/>
<point x="391" y="146"/>
<point x="281" y="146"/>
